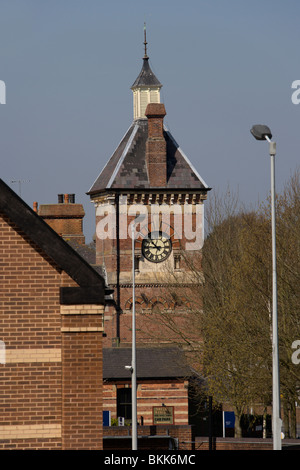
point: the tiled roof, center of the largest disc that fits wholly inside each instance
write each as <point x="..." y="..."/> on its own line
<point x="150" y="362"/>
<point x="127" y="166"/>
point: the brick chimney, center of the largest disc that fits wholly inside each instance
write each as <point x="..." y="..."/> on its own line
<point x="156" y="147"/>
<point x="65" y="217"/>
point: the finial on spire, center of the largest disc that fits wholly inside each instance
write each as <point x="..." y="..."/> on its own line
<point x="145" y="42"/>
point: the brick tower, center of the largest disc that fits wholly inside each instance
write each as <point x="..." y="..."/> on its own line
<point x="149" y="180"/>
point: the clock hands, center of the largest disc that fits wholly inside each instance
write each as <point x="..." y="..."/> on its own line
<point x="156" y="249"/>
<point x="155" y="245"/>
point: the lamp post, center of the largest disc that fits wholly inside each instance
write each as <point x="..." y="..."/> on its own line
<point x="262" y="132"/>
<point x="133" y="358"/>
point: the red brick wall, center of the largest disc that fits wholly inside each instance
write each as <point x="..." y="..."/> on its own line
<point x="29" y="322"/>
<point x="117" y="257"/>
<point x="184" y="435"/>
<point x="82" y="391"/>
<point x="66" y="219"/>
<point x="173" y="394"/>
<point x="149" y="394"/>
<point x="66" y="227"/>
<point x="45" y="369"/>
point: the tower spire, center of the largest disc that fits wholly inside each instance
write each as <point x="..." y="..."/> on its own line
<point x="145" y="43"/>
<point x="146" y="88"/>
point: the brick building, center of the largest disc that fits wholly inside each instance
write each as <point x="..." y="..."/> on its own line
<point x="162" y="399"/>
<point x="51" y="317"/>
<point x="149" y="181"/>
<point x="162" y="391"/>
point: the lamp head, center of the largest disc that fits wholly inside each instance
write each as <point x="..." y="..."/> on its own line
<point x="260" y="132"/>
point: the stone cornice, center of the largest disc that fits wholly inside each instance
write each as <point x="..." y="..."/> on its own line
<point x="165" y="196"/>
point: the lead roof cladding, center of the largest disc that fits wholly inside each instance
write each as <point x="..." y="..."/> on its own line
<point x="146" y="77"/>
<point x="127" y="166"/>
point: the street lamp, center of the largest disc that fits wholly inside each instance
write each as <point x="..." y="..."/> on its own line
<point x="133" y="359"/>
<point x="262" y="132"/>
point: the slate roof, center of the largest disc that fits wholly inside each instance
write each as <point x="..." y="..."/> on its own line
<point x="88" y="253"/>
<point x="127" y="169"/>
<point x="151" y="363"/>
<point x="146" y="77"/>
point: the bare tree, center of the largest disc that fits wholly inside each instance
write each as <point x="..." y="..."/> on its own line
<point x="224" y="324"/>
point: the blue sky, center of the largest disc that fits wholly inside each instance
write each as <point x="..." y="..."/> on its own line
<point x="68" y="66"/>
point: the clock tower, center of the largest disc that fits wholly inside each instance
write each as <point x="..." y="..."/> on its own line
<point x="149" y="183"/>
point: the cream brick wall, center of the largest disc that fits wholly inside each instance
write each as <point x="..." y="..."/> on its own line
<point x="33" y="431"/>
<point x="32" y="355"/>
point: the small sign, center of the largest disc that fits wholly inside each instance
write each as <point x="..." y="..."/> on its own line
<point x="228" y="422"/>
<point x="106" y="418"/>
<point x="163" y="415"/>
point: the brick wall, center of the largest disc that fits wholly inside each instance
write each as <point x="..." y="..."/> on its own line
<point x="65" y="218"/>
<point x="82" y="377"/>
<point x="184" y="436"/>
<point x="158" y="318"/>
<point x="82" y="391"/>
<point x="52" y="353"/>
<point x="174" y="394"/>
<point x="117" y="257"/>
<point x="152" y="393"/>
<point x="30" y="328"/>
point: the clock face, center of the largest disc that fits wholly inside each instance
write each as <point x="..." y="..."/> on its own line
<point x="157" y="247"/>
